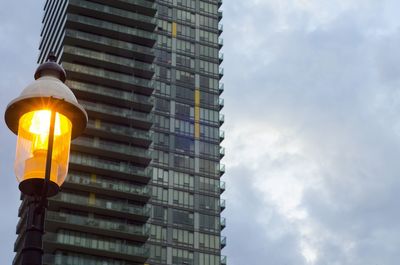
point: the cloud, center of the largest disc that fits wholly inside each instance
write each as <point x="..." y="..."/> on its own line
<point x="317" y="128"/>
<point x="19" y="37"/>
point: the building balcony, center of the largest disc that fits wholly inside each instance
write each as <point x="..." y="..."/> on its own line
<point x="221" y="152"/>
<point x="89" y="245"/>
<point x="221" y="170"/>
<point x="99" y="206"/>
<point x="95" y="75"/>
<point x="220" y="15"/>
<point x="222" y="204"/>
<point x="106" y="61"/>
<point x="221" y="57"/>
<point x="223" y="223"/>
<point x="109" y="45"/>
<point x="112" y="96"/>
<point x="223" y="242"/>
<point x="220" y="28"/>
<point x="114" y="188"/>
<point x="221" y="72"/>
<point x="222" y="186"/>
<point x="118" y="169"/>
<point x="112" y="30"/>
<point x="221" y="135"/>
<point x="223" y="260"/>
<point x="112" y="14"/>
<point x="221" y="88"/>
<point x="221" y="103"/>
<point x="116" y="114"/>
<point x="56" y="221"/>
<point x="112" y="150"/>
<point x="219" y="3"/>
<point x="140" y="6"/>
<point x="119" y="132"/>
<point x="221" y="119"/>
<point x="65" y="258"/>
<point x="220" y="42"/>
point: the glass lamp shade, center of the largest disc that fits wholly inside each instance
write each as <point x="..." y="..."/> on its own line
<point x="31" y="153"/>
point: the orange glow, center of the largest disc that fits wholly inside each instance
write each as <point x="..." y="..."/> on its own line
<point x="32" y="145"/>
<point x="38" y="124"/>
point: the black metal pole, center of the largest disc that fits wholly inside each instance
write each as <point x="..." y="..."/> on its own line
<point x="49" y="156"/>
<point x="32" y="251"/>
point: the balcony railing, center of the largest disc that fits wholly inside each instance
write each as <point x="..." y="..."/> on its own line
<point x="92" y="243"/>
<point x="221" y="152"/>
<point x="223" y="242"/>
<point x="220" y="42"/>
<point x="113" y="147"/>
<point x="106" y="59"/>
<point x="102" y="183"/>
<point x="99" y="203"/>
<point x="222" y="186"/>
<point x="109" y="42"/>
<point x="222" y="204"/>
<point x="116" y="111"/>
<point x="64" y="259"/>
<point x="114" y="27"/>
<point x="120" y="130"/>
<point x="148" y="4"/>
<point x="223" y="222"/>
<point x="221" y="135"/>
<point x="124" y="81"/>
<point x="98" y="223"/>
<point x="221" y="57"/>
<point x="110" y="166"/>
<point x="223" y="260"/>
<point x="113" y="11"/>
<point x="221" y="169"/>
<point x="221" y="88"/>
<point x="221" y="72"/>
<point x="109" y="92"/>
<point x="221" y="119"/>
<point x="221" y="103"/>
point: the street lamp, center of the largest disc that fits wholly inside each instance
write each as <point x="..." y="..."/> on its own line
<point x="45" y="117"/>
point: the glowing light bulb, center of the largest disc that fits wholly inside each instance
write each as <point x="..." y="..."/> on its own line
<point x="32" y="146"/>
<point x="40" y="125"/>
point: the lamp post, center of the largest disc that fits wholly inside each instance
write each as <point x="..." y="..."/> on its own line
<point x="45" y="117"/>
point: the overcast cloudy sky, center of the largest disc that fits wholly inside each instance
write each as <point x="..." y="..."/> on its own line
<point x="312" y="104"/>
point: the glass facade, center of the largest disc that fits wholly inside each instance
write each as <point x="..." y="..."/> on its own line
<point x="186" y="204"/>
<point x="144" y="180"/>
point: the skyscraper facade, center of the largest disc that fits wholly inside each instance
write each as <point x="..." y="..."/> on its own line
<point x="144" y="180"/>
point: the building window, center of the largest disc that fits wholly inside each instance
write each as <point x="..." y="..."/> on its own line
<point x="183" y="180"/>
<point x="182" y="198"/>
<point x="182" y="237"/>
<point x="181" y="217"/>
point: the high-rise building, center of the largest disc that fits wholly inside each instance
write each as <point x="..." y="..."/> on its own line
<point x="144" y="179"/>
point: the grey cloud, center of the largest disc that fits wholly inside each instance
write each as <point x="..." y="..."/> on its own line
<point x="20" y="24"/>
<point x="250" y="240"/>
<point x="333" y="87"/>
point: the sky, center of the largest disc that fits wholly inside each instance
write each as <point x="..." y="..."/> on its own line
<point x="312" y="128"/>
